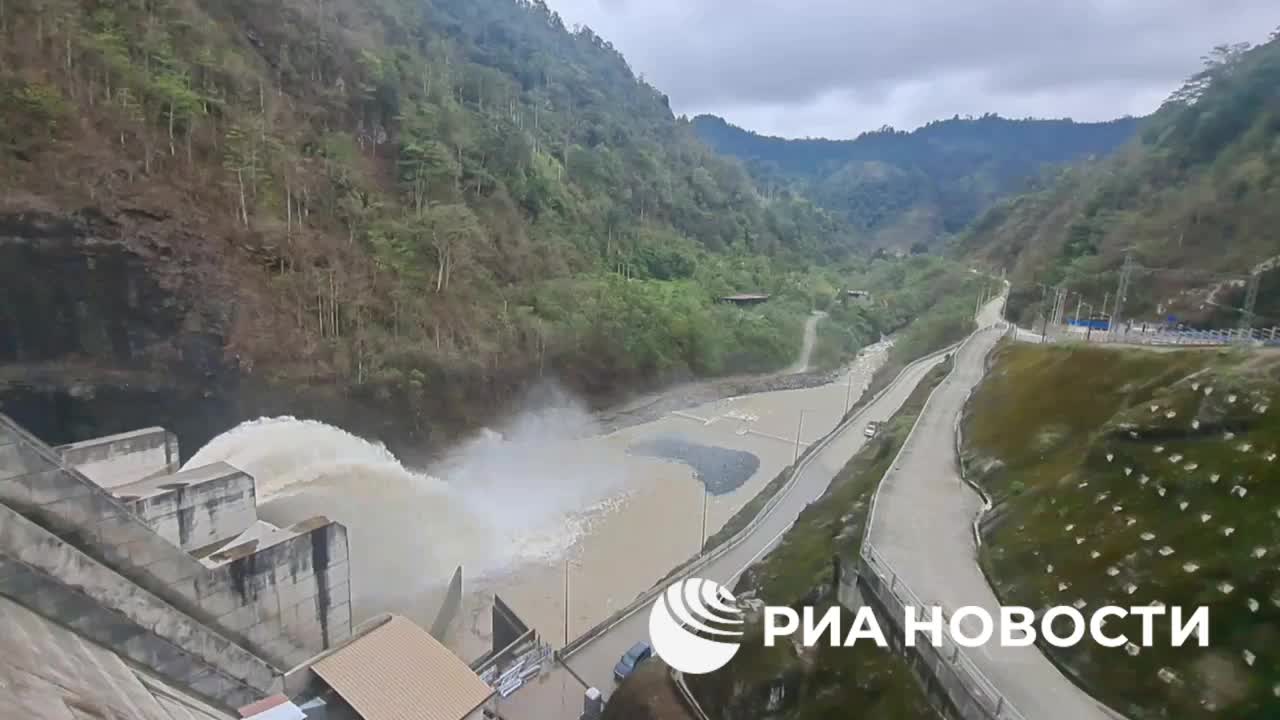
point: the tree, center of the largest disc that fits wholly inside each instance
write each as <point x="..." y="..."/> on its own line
<point x="357" y="209"/>
<point x="181" y="103"/>
<point x="450" y="231"/>
<point x="423" y="164"/>
<point x="245" y="154"/>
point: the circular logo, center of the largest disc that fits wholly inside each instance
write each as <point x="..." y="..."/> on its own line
<point x="689" y="624"/>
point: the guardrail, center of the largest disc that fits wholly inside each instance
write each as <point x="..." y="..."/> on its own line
<point x="951" y="666"/>
<point x="691" y="702"/>
<point x="712" y="554"/>
<point x="1187" y="338"/>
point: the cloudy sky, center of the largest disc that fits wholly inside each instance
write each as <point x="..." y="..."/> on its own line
<point x="834" y="68"/>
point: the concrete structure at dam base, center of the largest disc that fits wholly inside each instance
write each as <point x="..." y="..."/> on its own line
<point x="130" y="588"/>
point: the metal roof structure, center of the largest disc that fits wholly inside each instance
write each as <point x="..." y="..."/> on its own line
<point x="276" y="707"/>
<point x="399" y="672"/>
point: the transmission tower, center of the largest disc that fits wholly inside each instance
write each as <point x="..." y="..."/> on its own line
<point x="1250" y="302"/>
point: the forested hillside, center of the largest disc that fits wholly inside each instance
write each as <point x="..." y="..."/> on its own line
<point x="905" y="189"/>
<point x="431" y="203"/>
<point x="1195" y="198"/>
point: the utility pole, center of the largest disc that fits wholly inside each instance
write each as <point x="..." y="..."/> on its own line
<point x="1044" y="311"/>
<point x="566" y="602"/>
<point x="1122" y="292"/>
<point x="848" y="392"/>
<point x="1059" y="306"/>
<point x="1250" y="303"/>
<point x="706" y="496"/>
<point x="799" y="428"/>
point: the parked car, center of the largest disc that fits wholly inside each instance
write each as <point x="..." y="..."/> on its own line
<point x="631" y="659"/>
<point x="873" y="427"/>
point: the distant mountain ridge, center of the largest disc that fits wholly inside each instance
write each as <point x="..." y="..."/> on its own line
<point x="1195" y="199"/>
<point x="911" y="188"/>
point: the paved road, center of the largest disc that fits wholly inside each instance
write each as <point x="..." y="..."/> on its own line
<point x="924" y="529"/>
<point x="594" y="662"/>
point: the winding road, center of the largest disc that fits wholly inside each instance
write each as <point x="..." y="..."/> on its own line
<point x="923" y="529"/>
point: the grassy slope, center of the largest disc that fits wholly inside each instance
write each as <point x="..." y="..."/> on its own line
<point x="824" y="682"/>
<point x="1066" y="441"/>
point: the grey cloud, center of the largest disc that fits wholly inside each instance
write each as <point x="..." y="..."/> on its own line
<point x="843" y="66"/>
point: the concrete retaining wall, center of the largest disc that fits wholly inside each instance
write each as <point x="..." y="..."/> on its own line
<point x="946" y="681"/>
<point x="284" y="603"/>
<point x="196" y="508"/>
<point x="121" y="459"/>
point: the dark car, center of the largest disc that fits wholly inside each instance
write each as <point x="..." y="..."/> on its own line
<point x="638" y="653"/>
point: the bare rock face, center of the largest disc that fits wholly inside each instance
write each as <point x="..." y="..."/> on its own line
<point x="101" y="325"/>
<point x="108" y="292"/>
<point x="114" y="321"/>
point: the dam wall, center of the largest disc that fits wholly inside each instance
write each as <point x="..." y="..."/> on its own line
<point x="120" y="459"/>
<point x="258" y="600"/>
<point x="197" y="508"/>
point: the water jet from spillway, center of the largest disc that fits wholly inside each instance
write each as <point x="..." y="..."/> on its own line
<point x="512" y="498"/>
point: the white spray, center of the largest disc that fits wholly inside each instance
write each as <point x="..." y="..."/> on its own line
<point x="517" y="496"/>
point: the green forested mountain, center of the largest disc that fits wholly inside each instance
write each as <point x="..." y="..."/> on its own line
<point x="911" y="188"/>
<point x="426" y="202"/>
<point x="1195" y="198"/>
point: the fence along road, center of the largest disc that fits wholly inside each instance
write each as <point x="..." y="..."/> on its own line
<point x="593" y="655"/>
<point x="922" y="537"/>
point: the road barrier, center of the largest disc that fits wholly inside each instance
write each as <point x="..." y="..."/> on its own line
<point x="1159" y="336"/>
<point x="691" y="702"/>
<point x="712" y="554"/>
<point x="969" y="690"/>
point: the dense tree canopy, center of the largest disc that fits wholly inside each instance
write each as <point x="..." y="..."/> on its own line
<point x="388" y="192"/>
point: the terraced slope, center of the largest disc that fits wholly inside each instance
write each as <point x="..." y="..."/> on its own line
<point x="1128" y="477"/>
